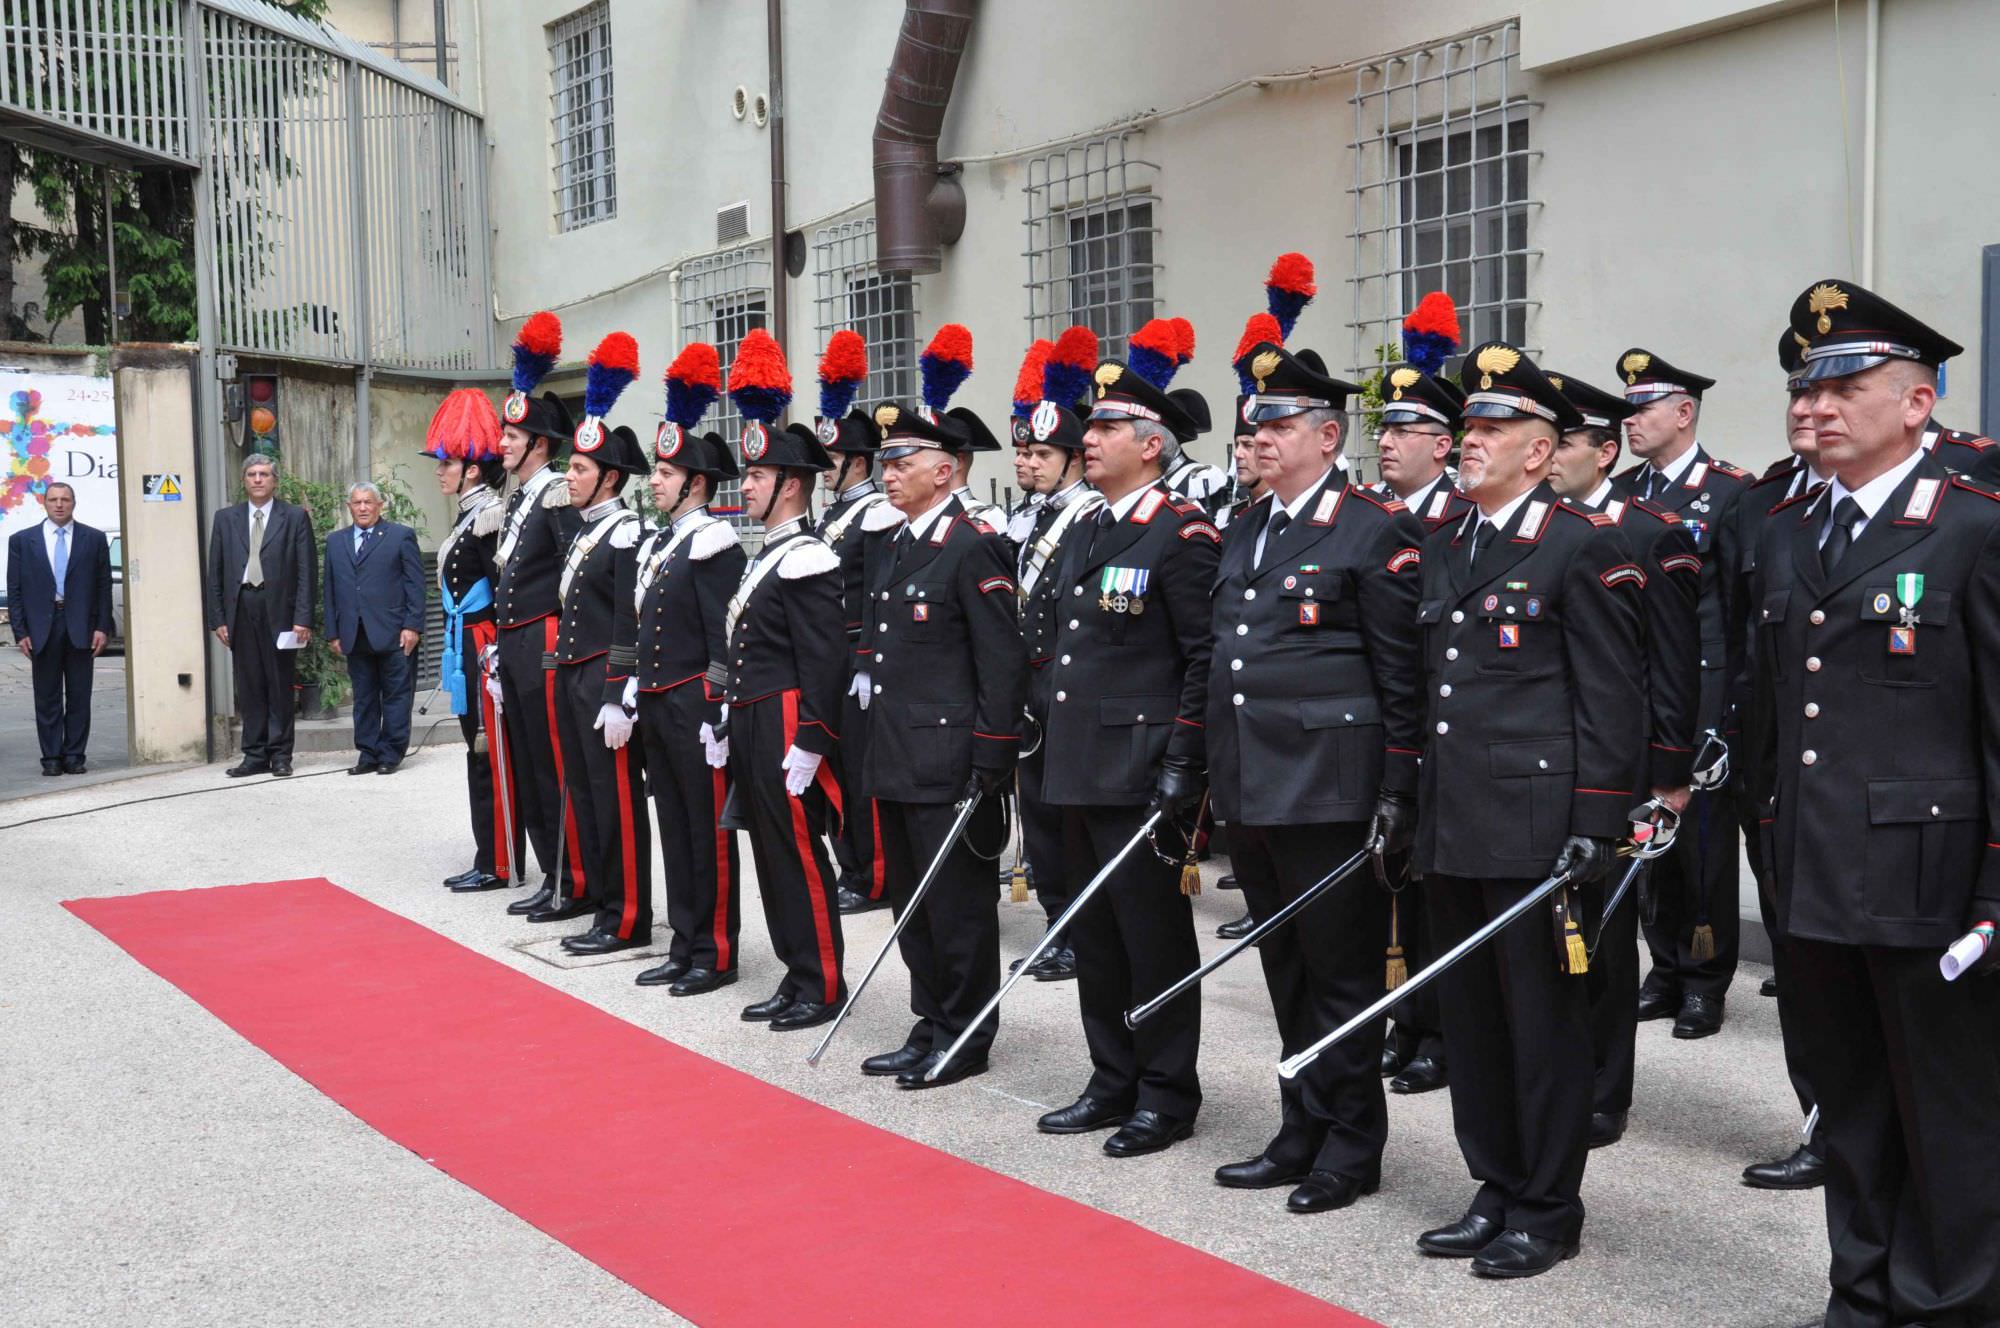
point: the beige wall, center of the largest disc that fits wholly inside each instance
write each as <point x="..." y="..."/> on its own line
<point x="165" y="640"/>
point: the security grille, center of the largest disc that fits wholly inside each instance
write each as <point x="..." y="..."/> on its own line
<point x="586" y="175"/>
<point x="1441" y="192"/>
<point x="881" y="306"/>
<point x="1093" y="225"/>
<point x="723" y="296"/>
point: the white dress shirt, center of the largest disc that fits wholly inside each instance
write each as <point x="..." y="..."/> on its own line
<point x="49" y="529"/>
<point x="1869" y="497"/>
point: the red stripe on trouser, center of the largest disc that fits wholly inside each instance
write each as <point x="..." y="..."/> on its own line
<point x="725" y="883"/>
<point x="876" y="867"/>
<point x="802" y="840"/>
<point x="483" y="635"/>
<point x="555" y="741"/>
<point x="630" y="917"/>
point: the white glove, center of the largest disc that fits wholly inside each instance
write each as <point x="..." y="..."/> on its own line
<point x="716" y="750"/>
<point x="860" y="690"/>
<point x="617" y="725"/>
<point x="631" y="697"/>
<point x="493" y="690"/>
<point x="799" y="768"/>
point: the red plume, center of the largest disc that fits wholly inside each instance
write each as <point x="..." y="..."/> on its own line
<point x="541" y="334"/>
<point x="1184" y="345"/>
<point x="1261" y="327"/>
<point x="1028" y="382"/>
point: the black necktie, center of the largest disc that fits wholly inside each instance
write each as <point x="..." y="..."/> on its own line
<point x="903" y="542"/>
<point x="1482" y="539"/>
<point x="1104" y="521"/>
<point x="1273" y="530"/>
<point x="1839" y="536"/>
<point x="1654" y="483"/>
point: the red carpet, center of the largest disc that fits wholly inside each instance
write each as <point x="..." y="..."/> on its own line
<point x="460" y="1059"/>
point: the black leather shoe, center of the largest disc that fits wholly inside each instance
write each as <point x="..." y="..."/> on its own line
<point x="1768" y="987"/>
<point x="1258" y="1173"/>
<point x="1606" y="1127"/>
<point x="604" y="942"/>
<point x="388" y="767"/>
<point x="1227" y="882"/>
<point x="55" y="768"/>
<point x="1147" y="1132"/>
<point x="905" y="1057"/>
<point x="562" y="910"/>
<point x="470" y="873"/>
<point x="363" y="767"/>
<point x="1423" y="1074"/>
<point x="962" y="1068"/>
<point x="1657" y="1001"/>
<point x="1462" y="1239"/>
<point x="282" y="769"/>
<point x="804" y="1014"/>
<point x="76" y="767"/>
<point x="482" y="881"/>
<point x="1324" y="1191"/>
<point x="1058" y="965"/>
<point x="767" y="1009"/>
<point x="535" y="902"/>
<point x="1518" y="1254"/>
<point x="1082" y="1116"/>
<point x="1700" y="1017"/>
<point x="243" y="768"/>
<point x="663" y="975"/>
<point x="1803" y="1170"/>
<point x="1393" y="1061"/>
<point x="1237" y="930"/>
<point x="699" y="980"/>
<point x="853" y="901"/>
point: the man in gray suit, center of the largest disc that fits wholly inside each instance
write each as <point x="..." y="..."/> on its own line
<point x="260" y="584"/>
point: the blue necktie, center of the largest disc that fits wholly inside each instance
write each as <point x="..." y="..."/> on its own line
<point x="62" y="559"/>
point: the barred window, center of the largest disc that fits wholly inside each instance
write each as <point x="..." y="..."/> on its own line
<point x="1093" y="224"/>
<point x="1441" y="190"/>
<point x="586" y="176"/>
<point x="853" y="292"/>
<point x="723" y="296"/>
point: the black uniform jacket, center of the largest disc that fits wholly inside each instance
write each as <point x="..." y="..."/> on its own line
<point x="680" y="601"/>
<point x="1039" y="608"/>
<point x="789" y="637"/>
<point x="1966" y="453"/>
<point x="466" y="556"/>
<point x="1130" y="675"/>
<point x="1535" y="675"/>
<point x="1884" y="751"/>
<point x="1315" y="691"/>
<point x="844" y="526"/>
<point x="1441" y="506"/>
<point x="533" y="541"/>
<point x="599" y="573"/>
<point x="1736" y="550"/>
<point x="947" y="666"/>
<point x="1665" y="551"/>
<point x="1702" y="497"/>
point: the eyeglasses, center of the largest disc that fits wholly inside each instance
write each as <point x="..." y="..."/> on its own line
<point x="1402" y="433"/>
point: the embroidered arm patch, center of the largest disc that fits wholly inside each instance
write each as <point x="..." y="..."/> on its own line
<point x="1622" y="574"/>
<point x="1203" y="529"/>
<point x="1404" y="558"/>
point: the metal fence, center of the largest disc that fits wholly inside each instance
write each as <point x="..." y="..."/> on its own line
<point x="723" y="296"/>
<point x="340" y="197"/>
<point x="852" y="292"/>
<point x="1093" y="223"/>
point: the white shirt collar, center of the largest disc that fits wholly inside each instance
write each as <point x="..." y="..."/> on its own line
<point x="1305" y="495"/>
<point x="861" y="490"/>
<point x="265" y="508"/>
<point x="1870" y="496"/>
<point x="1599" y="496"/>
<point x="1674" y="469"/>
<point x="1123" y="507"/>
<point x="691" y="515"/>
<point x="1504" y="515"/>
<point x="920" y="525"/>
<point x="604" y="508"/>
<point x="789" y="526"/>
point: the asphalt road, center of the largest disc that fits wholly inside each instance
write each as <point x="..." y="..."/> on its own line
<point x="21" y="753"/>
<point x="155" y="1169"/>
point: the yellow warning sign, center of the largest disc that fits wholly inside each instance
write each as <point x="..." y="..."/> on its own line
<point x="161" y="488"/>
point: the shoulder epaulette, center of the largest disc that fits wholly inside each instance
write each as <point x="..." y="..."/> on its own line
<point x="807" y="556"/>
<point x="1977" y="442"/>
<point x="1797" y="498"/>
<point x="1974" y="486"/>
<point x="1181" y="506"/>
<point x="490" y="518"/>
<point x="1383" y="501"/>
<point x="625" y="533"/>
<point x="556" y="494"/>
<point x="1653" y="509"/>
<point x="711" y="539"/>
<point x="1729" y="468"/>
<point x="881" y="516"/>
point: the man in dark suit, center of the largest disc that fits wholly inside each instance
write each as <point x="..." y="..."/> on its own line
<point x="374" y="618"/>
<point x="1877" y="626"/>
<point x="259" y="584"/>
<point x="59" y="597"/>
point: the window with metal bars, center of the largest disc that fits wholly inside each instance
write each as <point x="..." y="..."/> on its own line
<point x="723" y="296"/>
<point x="586" y="175"/>
<point x="881" y="306"/>
<point x="1093" y="227"/>
<point x="1442" y="192"/>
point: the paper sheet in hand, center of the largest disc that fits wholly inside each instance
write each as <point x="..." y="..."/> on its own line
<point x="290" y="641"/>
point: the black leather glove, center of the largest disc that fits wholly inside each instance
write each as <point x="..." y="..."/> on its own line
<point x="990" y="783"/>
<point x="1585" y="859"/>
<point x="1394" y="825"/>
<point x="1180" y="785"/>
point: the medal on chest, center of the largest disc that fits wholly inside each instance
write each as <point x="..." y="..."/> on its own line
<point x="1123" y="589"/>
<point x="1903" y="634"/>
